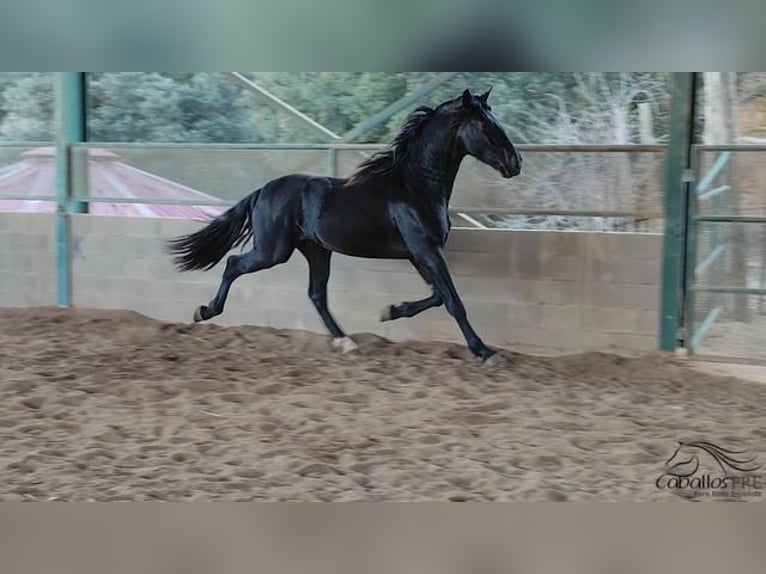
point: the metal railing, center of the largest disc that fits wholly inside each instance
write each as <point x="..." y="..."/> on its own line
<point x="70" y="193"/>
<point x="365" y="151"/>
<point x="712" y="256"/>
<point x="332" y="148"/>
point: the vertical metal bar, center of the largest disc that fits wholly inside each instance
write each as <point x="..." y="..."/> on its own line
<point x="70" y="127"/>
<point x="689" y="304"/>
<point x="740" y="248"/>
<point x="762" y="306"/>
<point x="677" y="164"/>
<point x="77" y="132"/>
<point x="332" y="162"/>
<point x="721" y="236"/>
<point x="762" y="302"/>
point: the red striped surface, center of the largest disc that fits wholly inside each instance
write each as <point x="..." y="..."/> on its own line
<point x="35" y="175"/>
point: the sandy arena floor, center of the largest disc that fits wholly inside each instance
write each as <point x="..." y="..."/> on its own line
<point x="98" y="405"/>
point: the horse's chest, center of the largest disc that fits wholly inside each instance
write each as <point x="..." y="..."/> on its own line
<point x="439" y="225"/>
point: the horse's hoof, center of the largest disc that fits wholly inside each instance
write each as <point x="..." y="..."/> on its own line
<point x="345" y="344"/>
<point x="495" y="360"/>
<point x="387" y="313"/>
<point x="198" y="314"/>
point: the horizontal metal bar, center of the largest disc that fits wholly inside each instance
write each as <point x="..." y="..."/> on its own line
<point x="705" y="327"/>
<point x="708" y="261"/>
<point x="713" y="172"/>
<point x="713" y="192"/>
<point x="25" y="144"/>
<point x="452" y="210"/>
<point x="561" y="212"/>
<point x="17" y="197"/>
<point x="730" y="147"/>
<point x="541" y="148"/>
<point x="226" y="146"/>
<point x="154" y="201"/>
<point x="606" y="148"/>
<point x="730" y="219"/>
<point x="730" y="290"/>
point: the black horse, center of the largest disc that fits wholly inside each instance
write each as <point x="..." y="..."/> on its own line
<point x="395" y="206"/>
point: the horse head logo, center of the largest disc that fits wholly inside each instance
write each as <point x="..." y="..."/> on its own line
<point x="686" y="459"/>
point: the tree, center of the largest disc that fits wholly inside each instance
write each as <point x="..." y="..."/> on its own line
<point x="337" y="100"/>
<point x="28" y="108"/>
<point x="129" y="106"/>
<point x="188" y="106"/>
<point x="213" y="111"/>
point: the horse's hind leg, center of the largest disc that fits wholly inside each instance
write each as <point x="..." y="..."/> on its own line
<point x="319" y="274"/>
<point x="237" y="265"/>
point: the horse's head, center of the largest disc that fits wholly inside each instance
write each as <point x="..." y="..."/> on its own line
<point x="687" y="459"/>
<point x="683" y="461"/>
<point x="483" y="137"/>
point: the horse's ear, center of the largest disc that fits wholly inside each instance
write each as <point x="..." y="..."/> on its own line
<point x="467" y="98"/>
<point x="485" y="96"/>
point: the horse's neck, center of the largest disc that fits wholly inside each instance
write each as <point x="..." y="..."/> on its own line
<point x="434" y="167"/>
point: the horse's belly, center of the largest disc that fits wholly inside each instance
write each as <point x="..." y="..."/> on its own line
<point x="358" y="239"/>
<point x="381" y="251"/>
<point x="352" y="223"/>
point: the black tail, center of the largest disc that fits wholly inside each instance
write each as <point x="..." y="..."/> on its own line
<point x="203" y="249"/>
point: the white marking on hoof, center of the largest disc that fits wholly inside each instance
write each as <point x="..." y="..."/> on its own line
<point x="497" y="360"/>
<point x="385" y="315"/>
<point x="198" y="314"/>
<point x="345" y="344"/>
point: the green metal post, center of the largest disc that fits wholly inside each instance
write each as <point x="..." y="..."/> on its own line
<point x="677" y="172"/>
<point x="70" y="128"/>
<point x="332" y="162"/>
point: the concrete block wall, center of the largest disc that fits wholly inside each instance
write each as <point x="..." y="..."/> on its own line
<point x="27" y="260"/>
<point x="527" y="290"/>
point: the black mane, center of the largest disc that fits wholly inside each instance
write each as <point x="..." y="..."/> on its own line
<point x="392" y="158"/>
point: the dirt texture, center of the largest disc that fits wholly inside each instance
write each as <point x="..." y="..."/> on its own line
<point x="111" y="405"/>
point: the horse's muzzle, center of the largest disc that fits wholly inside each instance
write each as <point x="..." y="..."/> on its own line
<point x="511" y="166"/>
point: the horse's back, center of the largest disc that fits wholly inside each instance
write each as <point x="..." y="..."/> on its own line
<point x="351" y="219"/>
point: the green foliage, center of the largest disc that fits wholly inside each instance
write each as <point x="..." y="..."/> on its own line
<point x="337" y="100"/>
<point x="130" y="106"/>
<point x="558" y="107"/>
<point x="27" y="107"/>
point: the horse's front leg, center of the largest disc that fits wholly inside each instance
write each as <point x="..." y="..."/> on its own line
<point x="429" y="258"/>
